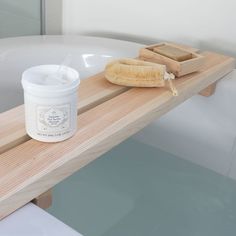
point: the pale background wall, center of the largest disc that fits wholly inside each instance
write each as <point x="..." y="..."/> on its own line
<point x="53" y="16"/>
<point x="207" y="24"/>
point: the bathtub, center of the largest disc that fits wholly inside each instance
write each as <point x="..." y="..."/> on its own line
<point x="177" y="176"/>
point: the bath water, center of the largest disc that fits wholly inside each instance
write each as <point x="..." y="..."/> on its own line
<point x="137" y="190"/>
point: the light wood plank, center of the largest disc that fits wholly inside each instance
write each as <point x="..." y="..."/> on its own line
<point x="208" y="91"/>
<point x="32" y="168"/>
<point x="92" y="92"/>
<point x="44" y="201"/>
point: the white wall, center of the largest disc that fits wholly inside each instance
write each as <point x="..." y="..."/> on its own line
<point x="207" y="24"/>
<point x="53" y="17"/>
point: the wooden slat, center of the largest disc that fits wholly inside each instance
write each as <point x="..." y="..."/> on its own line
<point x="208" y="91"/>
<point x="92" y="92"/>
<point x="34" y="167"/>
<point x="44" y="201"/>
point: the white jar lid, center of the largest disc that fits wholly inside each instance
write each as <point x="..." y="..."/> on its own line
<point x="50" y="80"/>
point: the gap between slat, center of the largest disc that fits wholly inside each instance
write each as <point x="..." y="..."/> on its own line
<point x="92" y="92"/>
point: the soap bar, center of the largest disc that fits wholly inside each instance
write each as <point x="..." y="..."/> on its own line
<point x="174" y="53"/>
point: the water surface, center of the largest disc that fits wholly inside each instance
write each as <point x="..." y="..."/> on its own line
<point x="137" y="190"/>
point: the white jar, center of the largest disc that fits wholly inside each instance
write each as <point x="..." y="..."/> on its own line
<point x="50" y="102"/>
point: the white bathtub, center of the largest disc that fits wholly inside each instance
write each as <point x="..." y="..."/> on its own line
<point x="202" y="130"/>
<point x="89" y="56"/>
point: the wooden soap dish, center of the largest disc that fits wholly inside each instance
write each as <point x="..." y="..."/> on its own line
<point x="188" y="60"/>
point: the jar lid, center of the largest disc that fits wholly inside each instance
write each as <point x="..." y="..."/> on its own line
<point x="50" y="79"/>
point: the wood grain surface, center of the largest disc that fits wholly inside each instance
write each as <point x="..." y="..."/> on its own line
<point x="33" y="167"/>
<point x="44" y="200"/>
<point x="92" y="92"/>
<point x="208" y="91"/>
<point x="179" y="68"/>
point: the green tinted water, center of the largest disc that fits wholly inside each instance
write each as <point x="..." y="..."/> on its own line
<point x="137" y="190"/>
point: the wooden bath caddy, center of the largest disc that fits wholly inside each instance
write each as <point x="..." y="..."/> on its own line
<point x="107" y="115"/>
